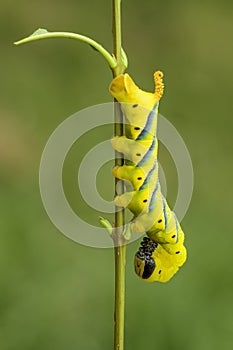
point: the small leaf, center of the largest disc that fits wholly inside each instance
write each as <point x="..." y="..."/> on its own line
<point x="34" y="36"/>
<point x="106" y="224"/>
<point x="124" y="58"/>
<point x="127" y="232"/>
<point x="39" y="31"/>
<point x="42" y="33"/>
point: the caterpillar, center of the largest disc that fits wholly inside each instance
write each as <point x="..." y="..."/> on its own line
<point x="162" y="251"/>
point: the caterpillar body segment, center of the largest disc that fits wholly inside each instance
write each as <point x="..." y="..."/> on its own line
<point x="135" y="151"/>
<point x="135" y="101"/>
<point x="162" y="252"/>
<point x="123" y="89"/>
<point x="136" y="176"/>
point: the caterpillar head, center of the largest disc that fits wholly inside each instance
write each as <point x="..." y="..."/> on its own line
<point x="144" y="263"/>
<point x="152" y="263"/>
<point x="123" y="89"/>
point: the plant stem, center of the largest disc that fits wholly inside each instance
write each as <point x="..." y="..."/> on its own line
<point x="119" y="315"/>
<point x="118" y="237"/>
<point x="111" y="61"/>
<point x="117" y="37"/>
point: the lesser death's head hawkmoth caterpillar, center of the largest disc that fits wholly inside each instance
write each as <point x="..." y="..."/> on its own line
<point x="162" y="252"/>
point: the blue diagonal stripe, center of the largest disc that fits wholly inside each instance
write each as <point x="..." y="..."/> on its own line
<point x="148" y="177"/>
<point x="153" y="198"/>
<point x="148" y="154"/>
<point x="165" y="213"/>
<point x="149" y="122"/>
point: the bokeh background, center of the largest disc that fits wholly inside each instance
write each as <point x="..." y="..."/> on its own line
<point x="55" y="293"/>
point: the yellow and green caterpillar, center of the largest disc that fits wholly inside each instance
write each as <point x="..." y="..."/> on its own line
<point x="162" y="252"/>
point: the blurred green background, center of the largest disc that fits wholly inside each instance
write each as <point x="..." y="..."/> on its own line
<point x="57" y="294"/>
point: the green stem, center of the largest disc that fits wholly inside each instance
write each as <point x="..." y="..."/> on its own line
<point x="119" y="315"/>
<point x="117" y="37"/>
<point x="118" y="65"/>
<point x="109" y="58"/>
<point x="118" y="236"/>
